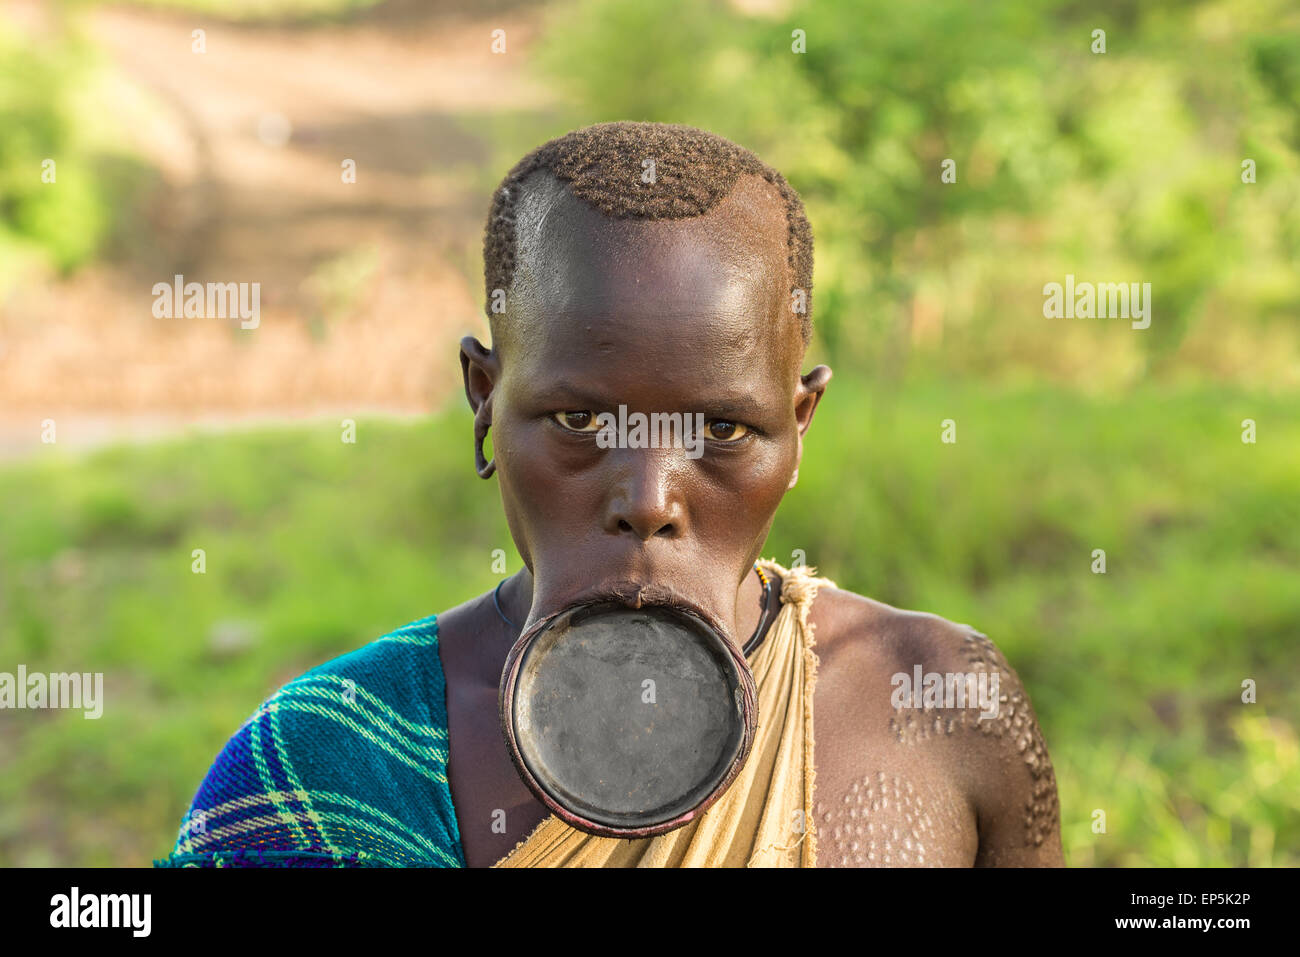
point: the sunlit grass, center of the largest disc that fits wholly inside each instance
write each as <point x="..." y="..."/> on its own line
<point x="314" y="546"/>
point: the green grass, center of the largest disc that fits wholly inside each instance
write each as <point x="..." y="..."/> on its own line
<point x="314" y="546"/>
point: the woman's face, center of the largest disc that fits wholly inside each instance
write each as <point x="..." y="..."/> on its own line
<point x="684" y="316"/>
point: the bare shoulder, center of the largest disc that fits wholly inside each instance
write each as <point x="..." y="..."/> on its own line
<point x="938" y="694"/>
<point x="848" y="623"/>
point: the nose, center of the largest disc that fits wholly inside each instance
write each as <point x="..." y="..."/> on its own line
<point x="645" y="499"/>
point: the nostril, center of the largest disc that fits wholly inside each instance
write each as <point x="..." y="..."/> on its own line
<point x="667" y="530"/>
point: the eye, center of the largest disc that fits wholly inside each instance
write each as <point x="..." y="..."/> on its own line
<point x="580" y="421"/>
<point x="725" y="431"/>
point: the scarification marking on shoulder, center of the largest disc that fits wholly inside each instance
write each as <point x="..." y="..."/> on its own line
<point x="1014" y="722"/>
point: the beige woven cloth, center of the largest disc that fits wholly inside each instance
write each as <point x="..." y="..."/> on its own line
<point x="765" y="818"/>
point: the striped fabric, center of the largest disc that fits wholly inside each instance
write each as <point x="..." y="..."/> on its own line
<point x="345" y="766"/>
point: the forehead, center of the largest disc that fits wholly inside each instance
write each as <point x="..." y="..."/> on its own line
<point x="687" y="299"/>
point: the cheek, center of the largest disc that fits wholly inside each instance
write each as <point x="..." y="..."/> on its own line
<point x="517" y="475"/>
<point x="511" y="459"/>
<point x="542" y="487"/>
<point x="744" y="495"/>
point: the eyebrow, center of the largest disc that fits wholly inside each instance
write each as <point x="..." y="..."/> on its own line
<point x="732" y="405"/>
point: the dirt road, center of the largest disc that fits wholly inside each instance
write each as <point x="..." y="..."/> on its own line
<point x="364" y="286"/>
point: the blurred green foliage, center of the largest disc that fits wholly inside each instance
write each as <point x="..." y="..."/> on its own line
<point x="1122" y="166"/>
<point x="313" y="547"/>
<point x="63" y="221"/>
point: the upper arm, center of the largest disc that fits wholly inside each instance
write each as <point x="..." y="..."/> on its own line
<point x="994" y="751"/>
<point x="990" y="776"/>
<point x="1012" y="785"/>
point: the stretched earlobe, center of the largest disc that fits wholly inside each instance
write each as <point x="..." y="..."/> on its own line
<point x="481" y="463"/>
<point x="794" y="479"/>
<point x="480" y="368"/>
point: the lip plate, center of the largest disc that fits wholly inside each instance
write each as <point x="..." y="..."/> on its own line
<point x="622" y="824"/>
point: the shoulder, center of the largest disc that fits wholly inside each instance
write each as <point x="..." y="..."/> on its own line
<point x="402" y="670"/>
<point x="953" y="693"/>
<point x="847" y="625"/>
<point x="930" y="658"/>
<point x="343" y="765"/>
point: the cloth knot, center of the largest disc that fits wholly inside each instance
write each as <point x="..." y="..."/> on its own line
<point x="799" y="585"/>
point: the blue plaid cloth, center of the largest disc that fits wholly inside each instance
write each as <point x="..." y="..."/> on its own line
<point x="345" y="766"/>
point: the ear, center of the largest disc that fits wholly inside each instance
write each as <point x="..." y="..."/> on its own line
<point x="480" y="368"/>
<point x="808" y="394"/>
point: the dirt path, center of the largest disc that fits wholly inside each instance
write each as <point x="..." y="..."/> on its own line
<point x="364" y="286"/>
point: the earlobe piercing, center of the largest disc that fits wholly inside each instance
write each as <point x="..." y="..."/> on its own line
<point x="481" y="464"/>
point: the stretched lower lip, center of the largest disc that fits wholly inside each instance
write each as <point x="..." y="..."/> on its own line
<point x="636" y="595"/>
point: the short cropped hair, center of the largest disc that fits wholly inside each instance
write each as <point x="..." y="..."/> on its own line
<point x="602" y="165"/>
